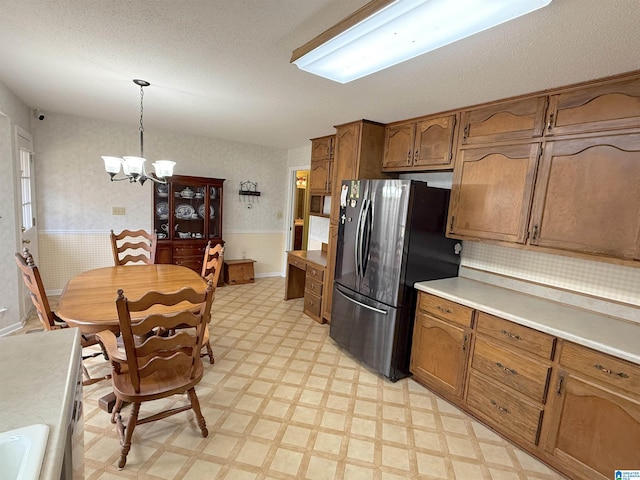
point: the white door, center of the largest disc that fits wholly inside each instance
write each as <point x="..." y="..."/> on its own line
<point x="28" y="226"/>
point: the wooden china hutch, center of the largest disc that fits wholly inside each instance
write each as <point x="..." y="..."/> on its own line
<point x="187" y="213"/>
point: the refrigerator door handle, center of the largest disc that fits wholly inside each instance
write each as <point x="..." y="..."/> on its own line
<point x="358" y="243"/>
<point x="366" y="244"/>
<point x="377" y="310"/>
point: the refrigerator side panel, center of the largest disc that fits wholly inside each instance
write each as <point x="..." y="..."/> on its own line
<point x="430" y="254"/>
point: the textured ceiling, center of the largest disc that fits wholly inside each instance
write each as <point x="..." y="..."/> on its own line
<point x="221" y="68"/>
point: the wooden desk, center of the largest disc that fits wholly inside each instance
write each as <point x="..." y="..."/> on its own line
<point x="88" y="301"/>
<point x="305" y="273"/>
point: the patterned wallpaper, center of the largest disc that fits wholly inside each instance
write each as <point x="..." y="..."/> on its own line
<point x="75" y="193"/>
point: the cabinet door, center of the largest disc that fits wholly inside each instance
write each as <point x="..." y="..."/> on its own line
<point x="320" y="177"/>
<point x="398" y="145"/>
<point x="587" y="197"/>
<point x="322" y="148"/>
<point x="434" y="142"/>
<point x="598" y="108"/>
<point x="514" y="120"/>
<point x="492" y="192"/>
<point x="345" y="162"/>
<point x="593" y="431"/>
<point x="439" y="354"/>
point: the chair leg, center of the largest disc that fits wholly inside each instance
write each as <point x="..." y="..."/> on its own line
<point x="115" y="413"/>
<point x="209" y="353"/>
<point x="128" y="434"/>
<point x="195" y="404"/>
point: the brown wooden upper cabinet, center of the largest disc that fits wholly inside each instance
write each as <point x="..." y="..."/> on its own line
<point x="587" y="196"/>
<point x="321" y="165"/>
<point x="492" y="191"/>
<point x="609" y="106"/>
<point x="507" y="121"/>
<point x="424" y="144"/>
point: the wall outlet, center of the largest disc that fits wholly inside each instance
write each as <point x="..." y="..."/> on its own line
<point x="118" y="211"/>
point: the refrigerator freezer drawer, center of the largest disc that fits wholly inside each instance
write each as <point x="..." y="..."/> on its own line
<point x="366" y="329"/>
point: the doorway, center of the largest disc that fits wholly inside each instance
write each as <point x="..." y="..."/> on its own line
<point x="300" y="211"/>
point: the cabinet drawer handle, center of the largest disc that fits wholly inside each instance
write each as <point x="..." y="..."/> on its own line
<point x="464" y="343"/>
<point x="550" y="122"/>
<point x="502" y="409"/>
<point x="611" y="372"/>
<point x="444" y="310"/>
<point x="511" y="335"/>
<point x="506" y="369"/>
<point x="560" y="382"/>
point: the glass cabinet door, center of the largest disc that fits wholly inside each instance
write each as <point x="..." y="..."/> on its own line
<point x="161" y="213"/>
<point x="215" y="207"/>
<point x="189" y="213"/>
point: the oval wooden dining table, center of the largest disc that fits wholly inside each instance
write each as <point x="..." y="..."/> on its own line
<point x="88" y="301"/>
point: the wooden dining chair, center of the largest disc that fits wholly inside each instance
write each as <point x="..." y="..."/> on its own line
<point x="154" y="366"/>
<point x="211" y="268"/>
<point x="131" y="246"/>
<point x="48" y="318"/>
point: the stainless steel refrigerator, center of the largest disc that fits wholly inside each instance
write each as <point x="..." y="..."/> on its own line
<point x="390" y="235"/>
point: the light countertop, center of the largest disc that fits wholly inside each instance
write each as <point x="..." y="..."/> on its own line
<point x="39" y="374"/>
<point x="603" y="333"/>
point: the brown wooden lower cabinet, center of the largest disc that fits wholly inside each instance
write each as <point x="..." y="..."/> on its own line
<point x="594" y="428"/>
<point x="439" y="356"/>
<point x="575" y="408"/>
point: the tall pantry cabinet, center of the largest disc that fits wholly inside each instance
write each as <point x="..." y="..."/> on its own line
<point x="358" y="151"/>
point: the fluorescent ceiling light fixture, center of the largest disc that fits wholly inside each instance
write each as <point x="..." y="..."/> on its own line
<point x="384" y="33"/>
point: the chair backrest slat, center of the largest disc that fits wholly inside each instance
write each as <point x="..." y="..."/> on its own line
<point x="131" y="246"/>
<point x="212" y="263"/>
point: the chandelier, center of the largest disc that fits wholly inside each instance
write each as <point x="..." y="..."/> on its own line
<point x="133" y="167"/>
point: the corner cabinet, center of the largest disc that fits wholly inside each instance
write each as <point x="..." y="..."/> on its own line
<point x="187" y="213"/>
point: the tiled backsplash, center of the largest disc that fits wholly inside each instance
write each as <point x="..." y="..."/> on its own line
<point x="605" y="280"/>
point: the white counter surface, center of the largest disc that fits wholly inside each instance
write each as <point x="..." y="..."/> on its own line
<point x="620" y="338"/>
<point x="38" y="375"/>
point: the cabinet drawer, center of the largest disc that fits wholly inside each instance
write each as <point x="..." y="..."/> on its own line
<point x="507" y="411"/>
<point x="297" y="262"/>
<point x="446" y="309"/>
<point x="601" y="367"/>
<point x="313" y="271"/>
<point x="313" y="285"/>
<point x="312" y="305"/>
<point x="189" y="251"/>
<point x="194" y="263"/>
<point x="520" y="337"/>
<point x="525" y="375"/>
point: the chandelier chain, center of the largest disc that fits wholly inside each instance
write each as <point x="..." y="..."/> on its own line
<point x="141" y="124"/>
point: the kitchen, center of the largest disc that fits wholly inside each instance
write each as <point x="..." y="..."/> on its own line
<point x="66" y="143"/>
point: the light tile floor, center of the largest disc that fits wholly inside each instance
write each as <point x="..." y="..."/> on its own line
<point x="283" y="402"/>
